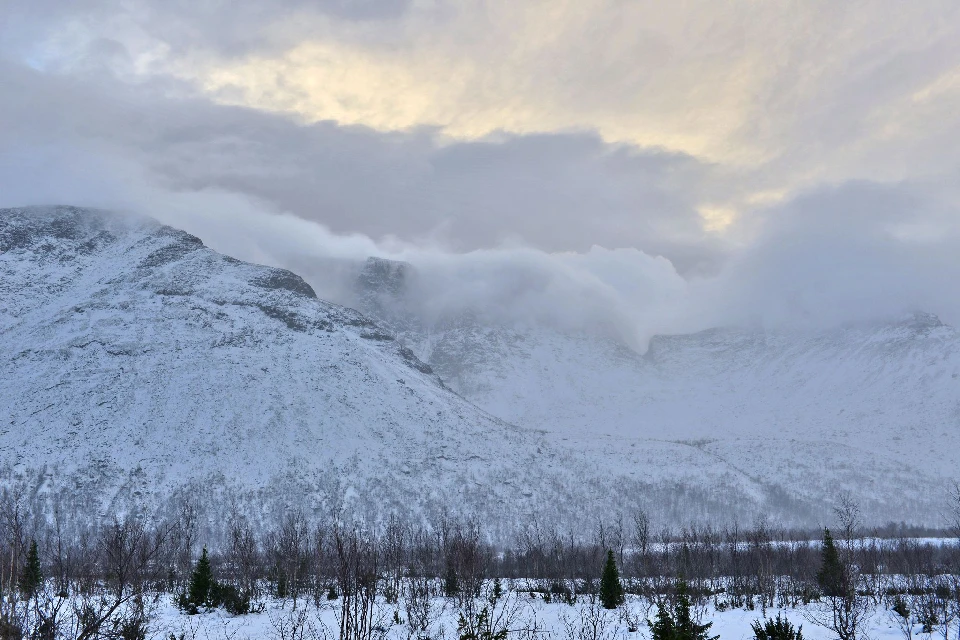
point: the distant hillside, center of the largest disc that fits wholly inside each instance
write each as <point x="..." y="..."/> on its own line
<point x="874" y="410"/>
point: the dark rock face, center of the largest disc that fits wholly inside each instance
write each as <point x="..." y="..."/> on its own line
<point x="414" y="361"/>
<point x="14" y="238"/>
<point x="376" y="335"/>
<point x="281" y="279"/>
<point x="67" y="224"/>
<point x="381" y="277"/>
<point x="166" y="255"/>
<point x="382" y="290"/>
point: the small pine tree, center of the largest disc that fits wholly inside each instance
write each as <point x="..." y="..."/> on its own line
<point x="901" y="608"/>
<point x="451" y="586"/>
<point x="687" y="629"/>
<point x="776" y="629"/>
<point x="31" y="578"/>
<point x="611" y="591"/>
<point x="481" y="628"/>
<point x="282" y="588"/>
<point x="663" y="628"/>
<point x="485" y="625"/>
<point x="680" y="625"/>
<point x="901" y="614"/>
<point x="496" y="594"/>
<point x="831" y="576"/>
<point x="201" y="588"/>
<point x="929" y="621"/>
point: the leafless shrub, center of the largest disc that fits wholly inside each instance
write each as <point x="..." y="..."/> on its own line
<point x="589" y="622"/>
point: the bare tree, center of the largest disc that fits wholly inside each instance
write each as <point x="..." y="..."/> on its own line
<point x="494" y="614"/>
<point x="291" y="546"/>
<point x="127" y="551"/>
<point x="295" y="625"/>
<point x="358" y="579"/>
<point x="468" y="560"/>
<point x="188" y="527"/>
<point x="618" y="538"/>
<point x="590" y="622"/>
<point x="421" y="609"/>
<point x="641" y="541"/>
<point x="13" y="609"/>
<point x="953" y="511"/>
<point x="394" y="557"/>
<point x="760" y="547"/>
<point x="244" y="557"/>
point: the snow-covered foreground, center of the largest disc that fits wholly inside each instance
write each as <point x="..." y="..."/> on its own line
<point x="530" y="617"/>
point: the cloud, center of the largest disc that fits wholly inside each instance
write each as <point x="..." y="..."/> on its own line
<point x="621" y="293"/>
<point x="557" y="192"/>
<point x="46" y="28"/>
<point x="321" y="198"/>
<point x="575" y="163"/>
<point x="796" y="94"/>
<point x="776" y="99"/>
<point x="852" y="253"/>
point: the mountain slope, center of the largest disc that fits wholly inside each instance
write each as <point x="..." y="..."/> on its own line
<point x="130" y="347"/>
<point x="869" y="409"/>
<point x="138" y="365"/>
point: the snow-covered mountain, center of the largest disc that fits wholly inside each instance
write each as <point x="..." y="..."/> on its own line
<point x="874" y="410"/>
<point x="137" y="364"/>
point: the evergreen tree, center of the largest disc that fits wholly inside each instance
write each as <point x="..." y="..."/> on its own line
<point x="30" y="578"/>
<point x="680" y="625"/>
<point x="776" y="629"/>
<point x="201" y="588"/>
<point x="282" y="588"/>
<point x="901" y="614"/>
<point x="901" y="608"/>
<point x="451" y="586"/>
<point x="484" y="627"/>
<point x="831" y="576"/>
<point x="687" y="628"/>
<point x="611" y="591"/>
<point x="663" y="628"/>
<point x="487" y="624"/>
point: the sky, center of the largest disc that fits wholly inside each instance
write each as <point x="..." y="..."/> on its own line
<point x="666" y="167"/>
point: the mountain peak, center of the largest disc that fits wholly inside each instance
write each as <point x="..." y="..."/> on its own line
<point x="384" y="277"/>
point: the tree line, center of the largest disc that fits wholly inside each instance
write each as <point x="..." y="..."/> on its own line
<point x="100" y="580"/>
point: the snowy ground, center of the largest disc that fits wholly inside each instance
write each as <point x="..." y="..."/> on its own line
<point x="533" y="618"/>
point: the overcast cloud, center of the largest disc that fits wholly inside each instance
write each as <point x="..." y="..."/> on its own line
<point x="584" y="163"/>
